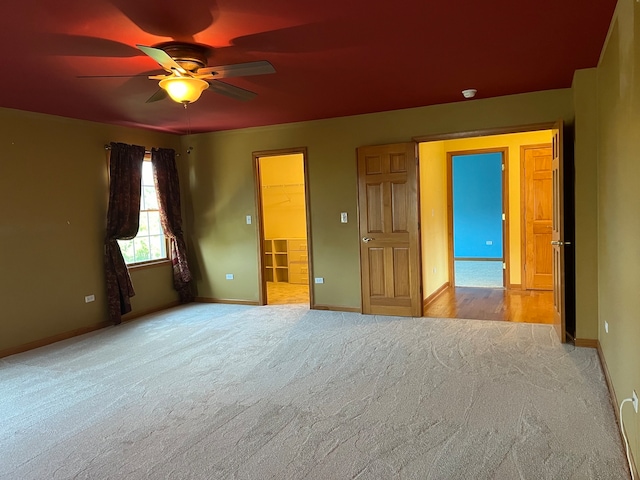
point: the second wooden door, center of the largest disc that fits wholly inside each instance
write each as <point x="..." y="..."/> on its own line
<point x="538" y="216"/>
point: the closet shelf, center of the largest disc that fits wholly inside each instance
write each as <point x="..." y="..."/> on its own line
<point x="286" y="260"/>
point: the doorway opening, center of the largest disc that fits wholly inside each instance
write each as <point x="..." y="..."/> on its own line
<point x="443" y="293"/>
<point x="283" y="227"/>
<point x="477" y="214"/>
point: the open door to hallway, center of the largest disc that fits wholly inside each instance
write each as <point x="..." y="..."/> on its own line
<point x="440" y="297"/>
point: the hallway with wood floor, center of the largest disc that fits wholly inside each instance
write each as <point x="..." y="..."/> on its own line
<point x="524" y="306"/>
<point x="473" y="303"/>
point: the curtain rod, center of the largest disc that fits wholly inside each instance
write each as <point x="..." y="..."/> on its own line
<point x="148" y="152"/>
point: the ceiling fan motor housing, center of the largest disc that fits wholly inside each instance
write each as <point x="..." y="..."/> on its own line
<point x="190" y="56"/>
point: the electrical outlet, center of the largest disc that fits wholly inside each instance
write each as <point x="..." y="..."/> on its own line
<point x="343" y="217"/>
<point x="248" y="219"/>
<point x="634" y="400"/>
<point x="319" y="280"/>
<point x="606" y="327"/>
<point x="89" y="298"/>
<point x="229" y="276"/>
<point x="489" y="242"/>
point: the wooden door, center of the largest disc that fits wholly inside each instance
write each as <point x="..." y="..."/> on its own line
<point x="389" y="232"/>
<point x="557" y="233"/>
<point x="538" y="212"/>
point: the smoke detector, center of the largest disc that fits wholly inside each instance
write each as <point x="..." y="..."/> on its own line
<point x="469" y="93"/>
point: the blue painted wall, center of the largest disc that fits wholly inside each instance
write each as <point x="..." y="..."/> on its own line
<point x="477" y="205"/>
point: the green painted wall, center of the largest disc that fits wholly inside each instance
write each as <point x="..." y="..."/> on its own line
<point x="586" y="202"/>
<point x="53" y="203"/>
<point x="618" y="86"/>
<point x="221" y="183"/>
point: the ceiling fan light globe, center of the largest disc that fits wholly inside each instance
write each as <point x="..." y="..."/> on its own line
<point x="184" y="89"/>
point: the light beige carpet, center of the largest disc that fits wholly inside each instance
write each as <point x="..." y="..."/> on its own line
<point x="281" y="392"/>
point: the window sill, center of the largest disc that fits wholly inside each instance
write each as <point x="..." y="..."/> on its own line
<point x="151" y="264"/>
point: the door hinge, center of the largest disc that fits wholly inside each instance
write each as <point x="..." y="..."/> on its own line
<point x="503" y="167"/>
<point x="504" y="265"/>
<point x="504" y="217"/>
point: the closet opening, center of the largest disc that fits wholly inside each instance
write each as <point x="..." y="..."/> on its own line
<point x="283" y="224"/>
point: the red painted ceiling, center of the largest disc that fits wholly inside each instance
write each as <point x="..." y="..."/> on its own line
<point x="333" y="57"/>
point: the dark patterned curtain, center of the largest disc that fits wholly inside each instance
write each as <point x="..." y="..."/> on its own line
<point x="123" y="218"/>
<point x="165" y="174"/>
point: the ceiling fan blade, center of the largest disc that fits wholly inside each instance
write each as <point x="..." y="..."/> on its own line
<point x="83" y="46"/>
<point x="163" y="59"/>
<point x="238" y="70"/>
<point x="178" y="20"/>
<point x="114" y="76"/>
<point x="131" y="75"/>
<point x="311" y="37"/>
<point x="231" y="91"/>
<point x="160" y="94"/>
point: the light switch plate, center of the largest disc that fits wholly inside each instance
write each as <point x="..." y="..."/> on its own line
<point x="248" y="219"/>
<point x="229" y="276"/>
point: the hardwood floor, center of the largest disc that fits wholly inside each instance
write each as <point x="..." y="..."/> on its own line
<point x="283" y="293"/>
<point x="526" y="306"/>
<point x="460" y="302"/>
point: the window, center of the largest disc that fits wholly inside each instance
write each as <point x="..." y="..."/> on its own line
<point x="149" y="244"/>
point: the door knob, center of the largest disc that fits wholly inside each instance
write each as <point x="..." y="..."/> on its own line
<point x="367" y="239"/>
<point x="556" y="242"/>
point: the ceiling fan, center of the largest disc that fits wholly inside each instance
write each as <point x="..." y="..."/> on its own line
<point x="188" y="74"/>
